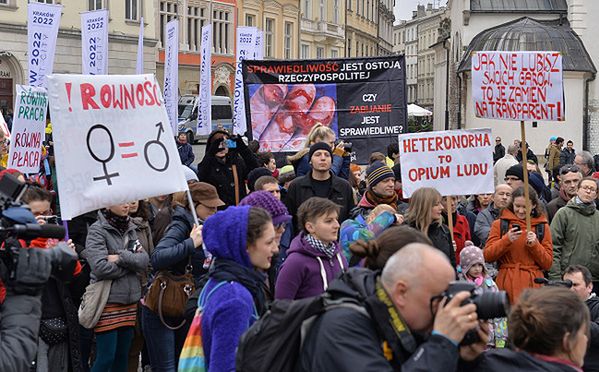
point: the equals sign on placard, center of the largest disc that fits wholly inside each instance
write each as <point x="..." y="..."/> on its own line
<point x="128" y="154"/>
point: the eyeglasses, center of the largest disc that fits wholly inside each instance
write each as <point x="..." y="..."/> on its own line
<point x="589" y="188"/>
<point x="280" y="226"/>
<point x="569" y="168"/>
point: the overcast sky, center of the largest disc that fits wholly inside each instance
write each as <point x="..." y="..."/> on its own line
<point x="403" y="8"/>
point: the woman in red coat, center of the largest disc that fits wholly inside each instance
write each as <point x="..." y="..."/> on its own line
<point x="519" y="253"/>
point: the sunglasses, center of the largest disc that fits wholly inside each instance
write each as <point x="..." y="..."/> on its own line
<point x="569" y="168"/>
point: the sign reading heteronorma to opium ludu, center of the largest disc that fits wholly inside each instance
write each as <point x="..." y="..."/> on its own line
<point x="518" y="86"/>
<point x="112" y="140"/>
<point x="457" y="162"/>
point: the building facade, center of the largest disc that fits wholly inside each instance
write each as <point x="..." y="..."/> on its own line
<point x="428" y="31"/>
<point x="280" y="21"/>
<point x="386" y="18"/>
<point x="361" y="30"/>
<point x="192" y="15"/>
<point x="322" y="29"/>
<point x="123" y="28"/>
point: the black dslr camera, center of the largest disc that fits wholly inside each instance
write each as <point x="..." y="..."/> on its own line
<point x="347" y="146"/>
<point x="489" y="305"/>
<point x="17" y="222"/>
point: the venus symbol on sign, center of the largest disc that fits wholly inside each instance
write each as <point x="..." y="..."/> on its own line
<point x="98" y="128"/>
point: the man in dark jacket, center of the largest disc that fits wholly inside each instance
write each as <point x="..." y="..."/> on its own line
<point x="484" y="220"/>
<point x="567" y="155"/>
<point x="185" y="150"/>
<point x="404" y="327"/>
<point x="569" y="178"/>
<point x="499" y="151"/>
<point x="320" y="181"/>
<point x="226" y="165"/>
<point x="582" y="285"/>
<point x="529" y="154"/>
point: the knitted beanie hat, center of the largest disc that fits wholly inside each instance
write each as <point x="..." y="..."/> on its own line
<point x="470" y="256"/>
<point x="319" y="146"/>
<point x="515" y="171"/>
<point x="377" y="172"/>
<point x="255" y="174"/>
<point x="225" y="234"/>
<point x="263" y="199"/>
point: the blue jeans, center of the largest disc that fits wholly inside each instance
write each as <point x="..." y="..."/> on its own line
<point x="112" y="350"/>
<point x="164" y="345"/>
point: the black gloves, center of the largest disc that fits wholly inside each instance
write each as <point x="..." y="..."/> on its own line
<point x="33" y="270"/>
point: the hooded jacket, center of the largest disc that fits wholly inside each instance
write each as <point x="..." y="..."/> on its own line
<point x="575" y="233"/>
<point x="519" y="264"/>
<point x="344" y="339"/>
<point x="515" y="361"/>
<point x="307" y="272"/>
<point x="103" y="240"/>
<point x="566" y="157"/>
<point x="229" y="308"/>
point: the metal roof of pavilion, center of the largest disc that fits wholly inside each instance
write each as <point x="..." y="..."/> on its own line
<point x="527" y="34"/>
<point x="545" y="6"/>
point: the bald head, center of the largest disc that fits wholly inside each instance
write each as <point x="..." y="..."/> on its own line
<point x="414" y="262"/>
<point x="502" y="195"/>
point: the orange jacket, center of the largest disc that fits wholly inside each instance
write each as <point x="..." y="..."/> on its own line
<point x="519" y="264"/>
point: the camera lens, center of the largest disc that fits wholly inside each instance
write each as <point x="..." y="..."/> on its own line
<point x="492" y="305"/>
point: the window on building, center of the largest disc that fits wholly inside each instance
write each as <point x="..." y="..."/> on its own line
<point x="132" y="10"/>
<point x="93" y="4"/>
<point x="3" y="2"/>
<point x="269" y="30"/>
<point x="336" y="11"/>
<point x="358" y="6"/>
<point x="349" y="4"/>
<point x="367" y="9"/>
<point x="42" y="1"/>
<point x="323" y="10"/>
<point x="250" y="20"/>
<point x="222" y="25"/>
<point x="334" y="53"/>
<point x="319" y="52"/>
<point x="307" y="8"/>
<point x="288" y="39"/>
<point x="168" y="11"/>
<point x="349" y="47"/>
<point x="305" y="51"/>
<point x="196" y="19"/>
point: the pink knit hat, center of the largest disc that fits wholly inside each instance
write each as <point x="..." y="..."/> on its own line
<point x="470" y="256"/>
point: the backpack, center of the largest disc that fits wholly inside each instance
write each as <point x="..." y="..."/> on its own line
<point x="274" y="342"/>
<point x="504" y="226"/>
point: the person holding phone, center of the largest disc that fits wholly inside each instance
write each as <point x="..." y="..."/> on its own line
<point x="226" y="165"/>
<point x="521" y="255"/>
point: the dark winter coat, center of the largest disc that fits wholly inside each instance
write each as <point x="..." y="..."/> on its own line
<point x="186" y="153"/>
<point x="566" y="157"/>
<point x="498" y="152"/>
<point x="440" y="236"/>
<point x="301" y="190"/>
<point x="174" y="249"/>
<point x="591" y="360"/>
<point x="555" y="205"/>
<point x="344" y="339"/>
<point x="502" y="360"/>
<point x="484" y="220"/>
<point x="529" y="156"/>
<point x="103" y="240"/>
<point x="219" y="173"/>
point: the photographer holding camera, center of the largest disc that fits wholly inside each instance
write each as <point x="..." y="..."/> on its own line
<point x="408" y="324"/>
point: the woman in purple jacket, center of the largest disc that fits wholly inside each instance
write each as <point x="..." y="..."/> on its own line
<point x="314" y="258"/>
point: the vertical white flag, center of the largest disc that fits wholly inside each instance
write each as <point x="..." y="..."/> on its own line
<point x="246" y="47"/>
<point x="94" y="42"/>
<point x="259" y="52"/>
<point x="139" y="67"/>
<point x="42" y="30"/>
<point x="205" y="99"/>
<point x="171" y="72"/>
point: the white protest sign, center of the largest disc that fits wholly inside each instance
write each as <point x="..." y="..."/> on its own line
<point x="139" y="66"/>
<point x="259" y="52"/>
<point x="94" y="42"/>
<point x="518" y="86"/>
<point x="455" y="162"/>
<point x="42" y="30"/>
<point x="205" y="99"/>
<point x="31" y="104"/>
<point x="4" y="126"/>
<point x="112" y="141"/>
<point x="171" y="73"/>
<point x="246" y="48"/>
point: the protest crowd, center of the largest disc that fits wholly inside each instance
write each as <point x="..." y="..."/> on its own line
<point x="324" y="251"/>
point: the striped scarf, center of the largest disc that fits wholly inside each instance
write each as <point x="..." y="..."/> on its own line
<point x="319" y="245"/>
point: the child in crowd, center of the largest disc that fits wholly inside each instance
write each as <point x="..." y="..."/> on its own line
<point x="473" y="270"/>
<point x="314" y="258"/>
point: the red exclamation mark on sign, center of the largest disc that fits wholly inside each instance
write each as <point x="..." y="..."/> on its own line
<point x="559" y="111"/>
<point x="68" y="86"/>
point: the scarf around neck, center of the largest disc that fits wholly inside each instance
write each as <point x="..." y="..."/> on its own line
<point x="230" y="271"/>
<point x="319" y="245"/>
<point x="375" y="199"/>
<point x="121" y="223"/>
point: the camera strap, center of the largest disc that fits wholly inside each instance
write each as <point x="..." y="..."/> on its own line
<point x="399" y="343"/>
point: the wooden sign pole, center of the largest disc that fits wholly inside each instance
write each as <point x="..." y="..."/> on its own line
<point x="525" y="173"/>
<point x="449" y="215"/>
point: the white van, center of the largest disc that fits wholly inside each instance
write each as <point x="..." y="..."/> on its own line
<point x="222" y="115"/>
